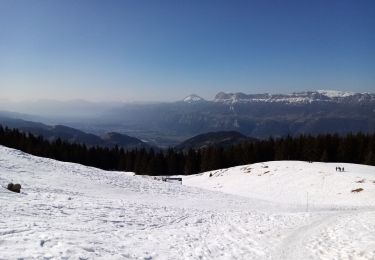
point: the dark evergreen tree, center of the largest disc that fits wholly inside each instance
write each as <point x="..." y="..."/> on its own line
<point x="352" y="148"/>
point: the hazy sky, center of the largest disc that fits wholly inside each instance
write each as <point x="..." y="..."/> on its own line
<point x="164" y="50"/>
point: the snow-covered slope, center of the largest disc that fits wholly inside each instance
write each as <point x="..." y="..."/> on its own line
<point x="347" y="233"/>
<point x="295" y="182"/>
<point x="69" y="211"/>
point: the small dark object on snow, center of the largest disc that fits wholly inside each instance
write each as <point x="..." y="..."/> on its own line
<point x="172" y="180"/>
<point x="14" y="187"/>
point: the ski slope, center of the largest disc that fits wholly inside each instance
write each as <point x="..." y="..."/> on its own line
<point x="69" y="211"/>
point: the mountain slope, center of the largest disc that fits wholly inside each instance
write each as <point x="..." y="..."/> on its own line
<point x="73" y="135"/>
<point x="68" y="210"/>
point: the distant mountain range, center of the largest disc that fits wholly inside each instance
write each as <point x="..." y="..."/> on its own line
<point x="51" y="133"/>
<point x="254" y="115"/>
<point x="306" y="97"/>
<point x="73" y="135"/>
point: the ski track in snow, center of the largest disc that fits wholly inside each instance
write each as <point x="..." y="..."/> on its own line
<point x="69" y="211"/>
<point x="338" y="236"/>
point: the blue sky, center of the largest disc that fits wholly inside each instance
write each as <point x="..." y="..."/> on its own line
<point x="164" y="50"/>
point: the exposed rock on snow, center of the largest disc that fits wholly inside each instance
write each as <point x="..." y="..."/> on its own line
<point x="14" y="187"/>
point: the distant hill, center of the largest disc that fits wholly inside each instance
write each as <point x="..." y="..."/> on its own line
<point x="222" y="139"/>
<point x="73" y="135"/>
<point x="122" y="140"/>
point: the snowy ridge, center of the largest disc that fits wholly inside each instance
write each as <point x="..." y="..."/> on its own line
<point x="337" y="93"/>
<point x="299" y="97"/>
<point x="70" y="211"/>
<point x="193" y="99"/>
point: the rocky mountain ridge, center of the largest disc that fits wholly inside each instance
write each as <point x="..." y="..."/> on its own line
<point x="296" y="98"/>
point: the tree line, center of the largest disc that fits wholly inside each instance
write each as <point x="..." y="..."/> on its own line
<point x="352" y="148"/>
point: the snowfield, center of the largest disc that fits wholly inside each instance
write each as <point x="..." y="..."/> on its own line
<point x="314" y="185"/>
<point x="260" y="211"/>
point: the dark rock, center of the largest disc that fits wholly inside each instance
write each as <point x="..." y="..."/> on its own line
<point x="14" y="187"/>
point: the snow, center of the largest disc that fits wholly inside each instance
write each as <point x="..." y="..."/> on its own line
<point x="70" y="211"/>
<point x="335" y="93"/>
<point x="193" y="98"/>
<point x="347" y="233"/>
<point x="294" y="98"/>
<point x="291" y="182"/>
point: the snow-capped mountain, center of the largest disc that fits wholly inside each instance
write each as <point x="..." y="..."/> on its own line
<point x="254" y="115"/>
<point x="193" y="98"/>
<point x="287" y="210"/>
<point x="298" y="97"/>
<point x="337" y="93"/>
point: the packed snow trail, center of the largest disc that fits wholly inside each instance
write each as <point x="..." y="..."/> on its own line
<point x="349" y="235"/>
<point x="69" y="211"/>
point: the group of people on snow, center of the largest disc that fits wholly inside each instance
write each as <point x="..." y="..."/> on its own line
<point x="340" y="169"/>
